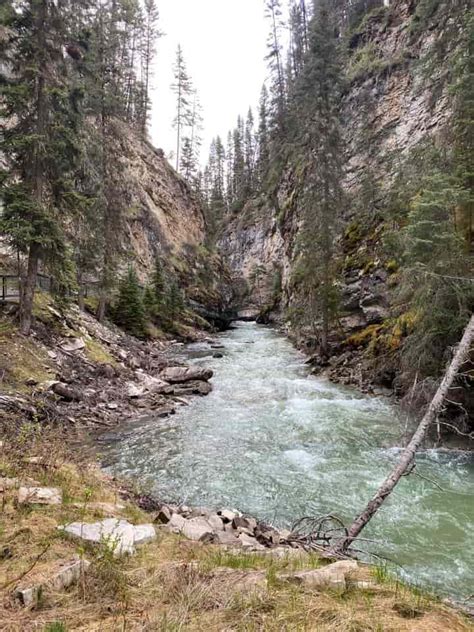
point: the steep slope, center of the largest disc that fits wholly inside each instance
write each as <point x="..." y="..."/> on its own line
<point x="397" y="99"/>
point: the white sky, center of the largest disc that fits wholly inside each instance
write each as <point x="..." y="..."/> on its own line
<point x="224" y="45"/>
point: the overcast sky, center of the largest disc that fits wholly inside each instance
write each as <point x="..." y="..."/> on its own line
<point x="224" y="45"/>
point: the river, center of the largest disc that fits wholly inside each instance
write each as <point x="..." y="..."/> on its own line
<point x="278" y="443"/>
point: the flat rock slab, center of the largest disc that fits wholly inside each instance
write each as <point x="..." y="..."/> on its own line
<point x="196" y="529"/>
<point x="66" y="575"/>
<point x="119" y="535"/>
<point x="332" y="575"/>
<point x="40" y="496"/>
<point x="75" y="344"/>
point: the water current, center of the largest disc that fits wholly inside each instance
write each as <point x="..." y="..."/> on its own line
<point x="278" y="443"/>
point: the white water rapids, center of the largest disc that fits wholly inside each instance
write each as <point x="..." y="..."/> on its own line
<point x="278" y="443"/>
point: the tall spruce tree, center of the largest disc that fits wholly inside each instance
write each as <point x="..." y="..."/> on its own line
<point x="317" y="105"/>
<point x="274" y="13"/>
<point x="129" y="311"/>
<point x="182" y="88"/>
<point x="40" y="145"/>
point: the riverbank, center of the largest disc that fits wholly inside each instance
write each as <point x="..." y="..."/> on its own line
<point x="170" y="582"/>
<point x="76" y="373"/>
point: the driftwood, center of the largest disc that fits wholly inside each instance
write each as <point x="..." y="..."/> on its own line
<point x="407" y="460"/>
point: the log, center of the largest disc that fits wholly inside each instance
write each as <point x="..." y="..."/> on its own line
<point x="407" y="458"/>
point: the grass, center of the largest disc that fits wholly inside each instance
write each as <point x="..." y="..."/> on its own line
<point x="171" y="584"/>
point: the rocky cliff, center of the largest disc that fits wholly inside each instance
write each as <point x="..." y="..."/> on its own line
<point x="396" y="98"/>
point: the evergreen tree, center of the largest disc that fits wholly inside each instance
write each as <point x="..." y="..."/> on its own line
<point x="41" y="144"/>
<point x="319" y="145"/>
<point x="150" y="36"/>
<point x="175" y="303"/>
<point x="149" y="302"/>
<point x="273" y="12"/>
<point x="263" y="136"/>
<point x="158" y="281"/>
<point x="129" y="311"/>
<point x="249" y="144"/>
<point x="182" y="88"/>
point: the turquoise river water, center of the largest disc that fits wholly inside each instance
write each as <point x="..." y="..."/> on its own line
<point x="278" y="443"/>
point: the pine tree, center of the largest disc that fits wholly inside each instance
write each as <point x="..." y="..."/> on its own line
<point x="151" y="34"/>
<point x="158" y="281"/>
<point x="182" y="88"/>
<point x="175" y="303"/>
<point x="249" y="149"/>
<point x="149" y="302"/>
<point x="273" y="12"/>
<point x="129" y="312"/>
<point x="319" y="144"/>
<point x="41" y="144"/>
<point x="263" y="137"/>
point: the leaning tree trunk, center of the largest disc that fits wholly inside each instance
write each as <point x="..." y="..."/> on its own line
<point x="408" y="455"/>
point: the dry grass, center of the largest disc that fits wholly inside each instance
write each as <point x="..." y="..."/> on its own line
<point x="171" y="584"/>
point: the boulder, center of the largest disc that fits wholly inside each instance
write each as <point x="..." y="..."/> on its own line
<point x="249" y="543"/>
<point x="246" y="525"/>
<point x="198" y="529"/>
<point x="197" y="387"/>
<point x="152" y="384"/>
<point x="332" y="575"/>
<point x="134" y="392"/>
<point x="66" y="392"/>
<point x="164" y="515"/>
<point x="119" y="536"/>
<point x="74" y="344"/>
<point x="227" y="515"/>
<point x="228" y="539"/>
<point x="40" y="496"/>
<point x="218" y="355"/>
<point x="182" y="374"/>
<point x="176" y="523"/>
<point x="215" y="521"/>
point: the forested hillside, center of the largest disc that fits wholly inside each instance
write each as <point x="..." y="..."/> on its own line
<point x="85" y="194"/>
<point x="357" y="231"/>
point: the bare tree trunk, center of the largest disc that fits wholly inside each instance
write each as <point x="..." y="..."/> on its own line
<point x="28" y="289"/>
<point x="408" y="455"/>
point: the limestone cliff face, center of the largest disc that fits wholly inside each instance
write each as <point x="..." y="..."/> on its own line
<point x="392" y="103"/>
<point x="164" y="218"/>
<point x="162" y="215"/>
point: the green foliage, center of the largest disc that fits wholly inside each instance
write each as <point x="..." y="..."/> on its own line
<point x="436" y="276"/>
<point x="175" y="301"/>
<point x="129" y="312"/>
<point x="56" y="626"/>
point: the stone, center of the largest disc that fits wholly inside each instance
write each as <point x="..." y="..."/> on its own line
<point x="228" y="539"/>
<point x="227" y="515"/>
<point x="164" y="515"/>
<point x="181" y="374"/>
<point x="250" y="543"/>
<point x="119" y="536"/>
<point x="67" y="575"/>
<point x="197" y="529"/>
<point x="218" y="355"/>
<point x="197" y="387"/>
<point x="40" y="496"/>
<point x="176" y="523"/>
<point x="153" y="384"/>
<point x="247" y="525"/>
<point x="332" y="575"/>
<point x="134" y="392"/>
<point x="267" y="535"/>
<point x="66" y="392"/>
<point x="112" y="405"/>
<point x="72" y="345"/>
<point x="8" y="483"/>
<point x="144" y="533"/>
<point x="215" y="521"/>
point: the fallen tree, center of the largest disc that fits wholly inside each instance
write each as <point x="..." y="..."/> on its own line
<point x="407" y="460"/>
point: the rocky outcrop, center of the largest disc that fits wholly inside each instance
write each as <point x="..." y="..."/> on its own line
<point x="393" y="102"/>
